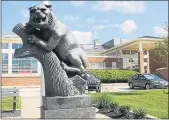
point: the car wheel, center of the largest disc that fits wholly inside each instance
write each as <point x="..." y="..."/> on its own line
<point x="98" y="88"/>
<point x="147" y="86"/>
<point x="131" y="86"/>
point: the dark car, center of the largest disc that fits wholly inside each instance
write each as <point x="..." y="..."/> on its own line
<point x="92" y="81"/>
<point x="147" y="81"/>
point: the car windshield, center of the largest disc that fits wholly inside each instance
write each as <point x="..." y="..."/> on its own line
<point x="152" y="77"/>
<point x="92" y="77"/>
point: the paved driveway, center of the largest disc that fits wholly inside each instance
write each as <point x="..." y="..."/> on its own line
<point x="115" y="87"/>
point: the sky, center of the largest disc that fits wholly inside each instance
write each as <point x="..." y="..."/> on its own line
<point x="103" y="20"/>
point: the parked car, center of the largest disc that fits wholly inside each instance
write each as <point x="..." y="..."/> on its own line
<point x="147" y="81"/>
<point x="92" y="81"/>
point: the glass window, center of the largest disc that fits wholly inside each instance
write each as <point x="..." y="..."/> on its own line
<point x="128" y="52"/>
<point x="16" y="45"/>
<point x="133" y="52"/>
<point x="96" y="65"/>
<point x="135" y="77"/>
<point x="145" y="52"/>
<point x="141" y="77"/>
<point x="4" y="56"/>
<point x="4" y="63"/>
<point x="145" y="59"/>
<point x="131" y="60"/>
<point x="24" y="65"/>
<point x="124" y="52"/>
<point x="4" y="45"/>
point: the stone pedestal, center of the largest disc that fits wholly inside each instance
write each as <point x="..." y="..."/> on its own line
<point x="71" y="107"/>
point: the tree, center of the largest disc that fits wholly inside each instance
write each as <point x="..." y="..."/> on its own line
<point x="161" y="49"/>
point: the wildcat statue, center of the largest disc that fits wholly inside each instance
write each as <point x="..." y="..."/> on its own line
<point x="48" y="33"/>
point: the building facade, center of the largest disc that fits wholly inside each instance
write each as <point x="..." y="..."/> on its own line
<point x="135" y="53"/>
<point x="27" y="71"/>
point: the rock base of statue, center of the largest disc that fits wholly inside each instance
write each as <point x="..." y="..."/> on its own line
<point x="70" y="107"/>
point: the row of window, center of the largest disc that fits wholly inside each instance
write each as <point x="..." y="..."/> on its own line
<point x="25" y="65"/>
<point x="130" y="59"/>
<point x="97" y="65"/>
<point x="14" y="45"/>
<point x="101" y="65"/>
<point x="129" y="52"/>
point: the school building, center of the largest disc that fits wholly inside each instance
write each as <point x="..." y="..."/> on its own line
<point x="114" y="54"/>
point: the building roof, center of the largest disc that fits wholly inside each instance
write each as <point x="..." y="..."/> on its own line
<point x="10" y="35"/>
<point x="148" y="43"/>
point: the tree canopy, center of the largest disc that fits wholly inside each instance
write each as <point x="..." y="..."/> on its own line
<point x="162" y="51"/>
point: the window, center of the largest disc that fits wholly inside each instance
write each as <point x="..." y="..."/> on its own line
<point x="4" y="45"/>
<point x="24" y="65"/>
<point x="96" y="65"/>
<point x="141" y="77"/>
<point x="145" y="59"/>
<point x="114" y="65"/>
<point x="128" y="52"/>
<point x="135" y="77"/>
<point x="16" y="45"/>
<point x="131" y="60"/>
<point x="124" y="52"/>
<point x="4" y="63"/>
<point x="145" y="52"/>
<point x="133" y="52"/>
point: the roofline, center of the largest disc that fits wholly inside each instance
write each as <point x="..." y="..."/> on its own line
<point x="132" y="41"/>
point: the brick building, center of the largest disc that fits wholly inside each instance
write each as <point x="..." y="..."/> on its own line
<point x="114" y="54"/>
<point x="136" y="54"/>
<point x="25" y="72"/>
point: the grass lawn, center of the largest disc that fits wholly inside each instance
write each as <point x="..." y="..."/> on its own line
<point x="9" y="106"/>
<point x="154" y="101"/>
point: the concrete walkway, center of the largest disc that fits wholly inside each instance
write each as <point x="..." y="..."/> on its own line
<point x="31" y="103"/>
<point x="31" y="100"/>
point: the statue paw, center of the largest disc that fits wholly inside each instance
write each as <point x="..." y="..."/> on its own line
<point x="32" y="39"/>
<point x="63" y="65"/>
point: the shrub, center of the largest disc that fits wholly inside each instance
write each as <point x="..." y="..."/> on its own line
<point x="114" y="106"/>
<point x="113" y="76"/>
<point x="124" y="110"/>
<point x="103" y="100"/>
<point x="139" y="114"/>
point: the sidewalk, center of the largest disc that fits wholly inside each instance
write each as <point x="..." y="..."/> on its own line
<point x="31" y="103"/>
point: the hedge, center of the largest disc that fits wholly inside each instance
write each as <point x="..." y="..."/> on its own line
<point x="113" y="76"/>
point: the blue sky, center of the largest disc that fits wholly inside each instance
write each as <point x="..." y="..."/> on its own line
<point x="102" y="20"/>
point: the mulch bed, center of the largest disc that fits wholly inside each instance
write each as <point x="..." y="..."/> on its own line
<point x="5" y="114"/>
<point x="112" y="114"/>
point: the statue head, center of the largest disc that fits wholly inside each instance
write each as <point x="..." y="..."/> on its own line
<point x="40" y="16"/>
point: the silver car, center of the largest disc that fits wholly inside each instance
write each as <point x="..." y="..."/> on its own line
<point x="147" y="81"/>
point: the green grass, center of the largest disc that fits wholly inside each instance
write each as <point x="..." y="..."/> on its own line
<point x="9" y="106"/>
<point x="155" y="102"/>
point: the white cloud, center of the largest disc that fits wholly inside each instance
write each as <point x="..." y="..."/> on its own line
<point x="128" y="26"/>
<point x="93" y="20"/>
<point x="24" y="13"/>
<point x="160" y="31"/>
<point x="121" y="6"/>
<point x="78" y="3"/>
<point x="83" y="37"/>
<point x="71" y="18"/>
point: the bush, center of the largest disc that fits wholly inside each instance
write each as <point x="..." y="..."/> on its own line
<point x="103" y="100"/>
<point x="139" y="114"/>
<point x="113" y="76"/>
<point x="114" y="106"/>
<point x="124" y="110"/>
